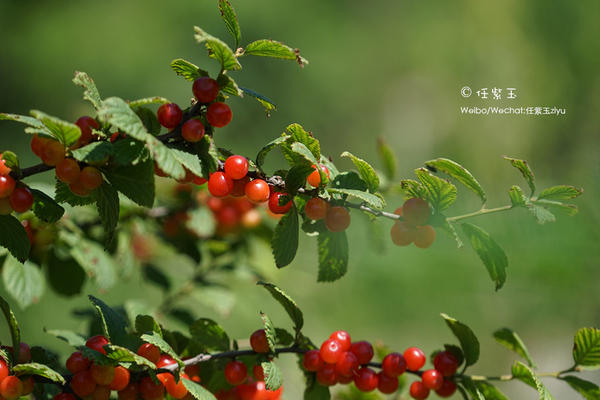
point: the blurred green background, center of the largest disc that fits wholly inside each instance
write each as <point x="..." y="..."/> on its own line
<point x="382" y="68"/>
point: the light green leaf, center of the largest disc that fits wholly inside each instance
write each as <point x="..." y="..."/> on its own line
<point x="91" y="92"/>
<point x="189" y="161"/>
<point x="267" y="103"/>
<point x="24" y="282"/>
<point x="467" y="339"/>
<point x="288" y="304"/>
<point x="541" y="214"/>
<point x="11" y="161"/>
<point x="274" y="49"/>
<point x="65" y="132"/>
<point x="568" y="209"/>
<point x="229" y="86"/>
<point x="588" y="390"/>
<point x="36" y="124"/>
<point x="489" y="252"/>
<point x="38" y="370"/>
<point x="45" y="208"/>
<point x="413" y="188"/>
<point x="525" y="374"/>
<point x="439" y="192"/>
<point x="231" y="20"/>
<point x="218" y="50"/>
<point x="511" y="340"/>
<point x="122" y="354"/>
<point x="270" y="332"/>
<point x="94" y="260"/>
<point x="459" y="173"/>
<point x="298" y="134"/>
<point x="527" y="173"/>
<point x="202" y="222"/>
<point x="148" y="100"/>
<point x="586" y="347"/>
<point x="366" y="172"/>
<point x="369" y="198"/>
<point x="517" y="197"/>
<point x="273" y="376"/>
<point x="13" y="326"/>
<point x="186" y="69"/>
<point x="197" y="391"/>
<point x="285" y="238"/>
<point x="70" y="337"/>
<point x="333" y="256"/>
<point x="561" y="192"/>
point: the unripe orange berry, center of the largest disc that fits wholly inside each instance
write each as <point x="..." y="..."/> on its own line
<point x="402" y="233"/>
<point x="314" y="179"/>
<point x="90" y="178"/>
<point x="337" y="219"/>
<point x="425" y="236"/>
<point x="53" y="153"/>
<point x="68" y="170"/>
<point x="316" y="208"/>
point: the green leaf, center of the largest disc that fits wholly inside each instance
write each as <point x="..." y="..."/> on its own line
<point x="439" y="192"/>
<point x="70" y="337"/>
<point x="11" y="161"/>
<point x="288" y="304"/>
<point x="64" y="195"/>
<point x="38" y="370"/>
<point x="189" y="71"/>
<point x="159" y="342"/>
<point x="218" y="50"/>
<point x="93" y="259"/>
<point x="13" y="325"/>
<point x="369" y="198"/>
<point x="231" y="20"/>
<point x="14" y="238"/>
<point x="299" y="135"/>
<point x="274" y="49"/>
<point x="517" y="197"/>
<point x="148" y="100"/>
<point x="587" y="389"/>
<point x="122" y="354"/>
<point x="366" y="172"/>
<point x="270" y="332"/>
<point x="413" y="188"/>
<point x="314" y="391"/>
<point x="489" y="252"/>
<point x="113" y="323"/>
<point x="527" y="173"/>
<point x="284" y="338"/>
<point x="210" y="335"/>
<point x="459" y="173"/>
<point x="27" y="120"/>
<point x="525" y="374"/>
<point x="197" y="391"/>
<point x="96" y="357"/>
<point x="561" y="192"/>
<point x="267" y="103"/>
<point x="145" y="323"/>
<point x="165" y="158"/>
<point x="296" y="177"/>
<point x="285" y="238"/>
<point x="228" y="85"/>
<point x="262" y="154"/>
<point x="25" y="282"/>
<point x="568" y="209"/>
<point x="489" y="391"/>
<point x="586" y="347"/>
<point x="273" y="376"/>
<point x="333" y="256"/>
<point x="349" y="180"/>
<point x="108" y="209"/>
<point x="128" y="151"/>
<point x="45" y="208"/>
<point x="135" y="182"/>
<point x="189" y="161"/>
<point x="91" y="92"/>
<point x="467" y="339"/>
<point x="95" y="152"/>
<point x="541" y="214"/>
<point x="201" y="221"/>
<point x="65" y="132"/>
<point x="388" y="159"/>
<point x="511" y="340"/>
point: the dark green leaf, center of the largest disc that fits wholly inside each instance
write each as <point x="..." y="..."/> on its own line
<point x="70" y="337"/>
<point x="135" y="182"/>
<point x="149" y="119"/>
<point x="587" y="389"/>
<point x="439" y="192"/>
<point x="561" y="192"/>
<point x="65" y="276"/>
<point x="388" y="159"/>
<point x="349" y="180"/>
<point x="14" y="238"/>
<point x="25" y="282"/>
<point x="262" y="154"/>
<point x="288" y="304"/>
<point x="145" y="323"/>
<point x="91" y="92"/>
<point x="527" y="173"/>
<point x="296" y="177"/>
<point x="229" y="86"/>
<point x="489" y="252"/>
<point x="45" y="208"/>
<point x="366" y="172"/>
<point x="113" y="323"/>
<point x="509" y="339"/>
<point x="95" y="152"/>
<point x="298" y="154"/>
<point x="273" y="377"/>
<point x="284" y="338"/>
<point x="274" y="49"/>
<point x="314" y="391"/>
<point x="186" y="69"/>
<point x="459" y="173"/>
<point x="467" y="339"/>
<point x="210" y="335"/>
<point x="285" y="238"/>
<point x="267" y="103"/>
<point x="108" y="209"/>
<point x="65" y="132"/>
<point x="218" y="50"/>
<point x="38" y="370"/>
<point x="64" y="195"/>
<point x="333" y="256"/>
<point x="231" y="20"/>
<point x="586" y="347"/>
<point x="128" y="151"/>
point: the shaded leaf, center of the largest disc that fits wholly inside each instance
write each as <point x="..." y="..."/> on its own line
<point x="467" y="339"/>
<point x="459" y="173"/>
<point x="288" y="304"/>
<point x="511" y="340"/>
<point x="333" y="256"/>
<point x="366" y="172"/>
<point x="45" y="208"/>
<point x="14" y="238"/>
<point x="527" y="173"/>
<point x="285" y="238"/>
<point x="489" y="252"/>
<point x="439" y="192"/>
<point x="38" y="370"/>
<point x="63" y="131"/>
<point x="231" y="21"/>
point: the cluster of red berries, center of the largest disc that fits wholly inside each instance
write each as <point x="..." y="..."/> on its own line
<point x="339" y="360"/>
<point x="13" y="196"/>
<point x="11" y="386"/>
<point x="413" y="228"/>
<point x="231" y="213"/>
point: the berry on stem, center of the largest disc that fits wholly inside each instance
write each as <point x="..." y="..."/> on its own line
<point x="120" y="379"/>
<point x="387" y="384"/>
<point x="418" y="390"/>
<point x="415" y="358"/>
<point x="151" y="390"/>
<point x="53" y="153"/>
<point x="4" y="371"/>
<point x="83" y="383"/>
<point x="448" y="388"/>
<point x="326" y="375"/>
<point x="331" y="351"/>
<point x="312" y="360"/>
<point x="393" y="365"/>
<point x="363" y="351"/>
<point x="239" y="186"/>
<point x="446" y="363"/>
<point x="235" y="372"/>
<point x="102" y="374"/>
<point x="205" y="89"/>
<point x="169" y="115"/>
<point x="403" y="233"/>
<point x="192" y="130"/>
<point x="274" y="203"/>
<point x="257" y="191"/>
<point x="11" y="388"/>
<point x="259" y="342"/>
<point x="68" y="170"/>
<point x="425" y="236"/>
<point x="97" y="343"/>
<point x="366" y="380"/>
<point x="218" y="114"/>
<point x="38" y="143"/>
<point x="416" y="211"/>
<point x="90" y="178"/>
<point x="78" y="189"/>
<point x="236" y="167"/>
<point x="343" y="338"/>
<point x="314" y="179"/>
<point x="149" y="352"/>
<point x="77" y="362"/>
<point x="21" y="199"/>
<point x="432" y="379"/>
<point x="337" y="219"/>
<point x="7" y="185"/>
<point x="347" y="364"/>
<point x="316" y="208"/>
<point x="86" y="124"/>
<point x="219" y="184"/>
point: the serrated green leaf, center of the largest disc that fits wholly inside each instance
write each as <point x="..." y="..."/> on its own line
<point x="70" y="337"/>
<point x="91" y="91"/>
<point x="274" y="49"/>
<point x="45" y="208"/>
<point x="146" y="323"/>
<point x="187" y="69"/>
<point x="299" y="135"/>
<point x="525" y="374"/>
<point x="459" y="173"/>
<point x="96" y="357"/>
<point x="541" y="214"/>
<point x="287" y="303"/>
<point x="489" y="391"/>
<point x="267" y="103"/>
<point x="189" y="161"/>
<point x="527" y="173"/>
<point x="114" y="324"/>
<point x="122" y="354"/>
<point x="165" y="158"/>
<point x="349" y="180"/>
<point x="388" y="159"/>
<point x="285" y="238"/>
<point x="296" y="177"/>
<point x="568" y="209"/>
<point x="588" y="390"/>
<point x="270" y="332"/>
<point x="36" y="124"/>
<point x="197" y="391"/>
<point x="369" y="198"/>
<point x="366" y="172"/>
<point x="38" y="370"/>
<point x="413" y="188"/>
<point x="231" y="21"/>
<point x="284" y="338"/>
<point x="511" y="340"/>
<point x="273" y="376"/>
<point x="586" y="347"/>
<point x="561" y="192"/>
<point x="13" y="325"/>
<point x="439" y="192"/>
<point x="210" y="335"/>
<point x="333" y="256"/>
<point x="159" y="342"/>
<point x="218" y="50"/>
<point x="95" y="152"/>
<point x="108" y="209"/>
<point x="135" y="182"/>
<point x="24" y="282"/>
<point x="14" y="238"/>
<point x="517" y="197"/>
<point x="229" y="86"/>
<point x="262" y="154"/>
<point x="467" y="339"/>
<point x="63" y="131"/>
<point x="489" y="252"/>
<point x="128" y="151"/>
<point x="148" y="100"/>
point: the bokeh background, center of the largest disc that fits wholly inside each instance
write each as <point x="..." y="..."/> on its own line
<point x="381" y="68"/>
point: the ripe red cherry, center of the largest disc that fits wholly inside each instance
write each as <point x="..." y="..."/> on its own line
<point x="403" y="233"/>
<point x="97" y="343"/>
<point x="326" y="375"/>
<point x="312" y="360"/>
<point x="218" y="114"/>
<point x="102" y="374"/>
<point x="24" y="349"/>
<point x="387" y="384"/>
<point x="4" y="170"/>
<point x="418" y="391"/>
<point x="393" y="365"/>
<point x="169" y="115"/>
<point x="314" y="179"/>
<point x="425" y="236"/>
<point x="236" y="167"/>
<point x="199" y="180"/>
<point x="219" y="184"/>
<point x="337" y="219"/>
<point x="274" y="203"/>
<point x="77" y="362"/>
<point x="448" y="388"/>
<point x="343" y="338"/>
<point x="259" y="342"/>
<point x="347" y="364"/>
<point x="3" y="369"/>
<point x="165" y="360"/>
<point x="68" y="170"/>
<point x="257" y="191"/>
<point x="331" y="351"/>
<point x="120" y="379"/>
<point x="363" y="351"/>
<point x="151" y="390"/>
<point x="416" y="211"/>
<point x="176" y="390"/>
<point x="83" y="384"/>
<point x="432" y="379"/>
<point x="21" y="199"/>
<point x="64" y="396"/>
<point x="86" y="124"/>
<point x="316" y="208"/>
<point x="366" y="379"/>
<point x="11" y="388"/>
<point x="415" y="358"/>
<point x="205" y="89"/>
<point x="53" y="153"/>
<point x="258" y="372"/>
<point x="149" y="352"/>
<point x="192" y="130"/>
<point x="7" y="185"/>
<point x="90" y="178"/>
<point x="235" y="372"/>
<point x="446" y="363"/>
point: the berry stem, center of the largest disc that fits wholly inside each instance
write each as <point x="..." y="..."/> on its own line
<point x="482" y="211"/>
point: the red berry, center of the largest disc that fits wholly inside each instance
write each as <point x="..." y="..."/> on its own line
<point x="192" y="130"/>
<point x="21" y="199"/>
<point x="316" y="208"/>
<point x="86" y="124"/>
<point x="90" y="178"/>
<point x="205" y="89"/>
<point x="77" y="362"/>
<point x="199" y="180"/>
<point x="149" y="352"/>
<point x="425" y="236"/>
<point x="97" y="343"/>
<point x="347" y="364"/>
<point x="448" y="388"/>
<point x="120" y="379"/>
<point x="11" y="388"/>
<point x="53" y="153"/>
<point x="239" y="186"/>
<point x="236" y="167"/>
<point x="257" y="191"/>
<point x="314" y="179"/>
<point x="64" y="396"/>
<point x="235" y="372"/>
<point x="169" y="115"/>
<point x="258" y="372"/>
<point x="4" y="170"/>
<point x="366" y="379"/>
<point x="3" y="370"/>
<point x="102" y="374"/>
<point x="432" y="379"/>
<point x="149" y="390"/>
<point x="129" y="393"/>
<point x="228" y="216"/>
<point x="38" y="143"/>
<point x="416" y="211"/>
<point x="387" y="384"/>
<point x="68" y="170"/>
<point x="337" y="219"/>
<point x="326" y="375"/>
<point x="418" y="390"/>
<point x="393" y="365"/>
<point x="259" y="342"/>
<point x="403" y="233"/>
<point x="415" y="358"/>
<point x="274" y="203"/>
<point x="24" y="349"/>
<point x="7" y="185"/>
<point x="363" y="351"/>
<point x="175" y="389"/>
<point x="331" y="351"/>
<point x="446" y="363"/>
<point x="83" y="383"/>
<point x="219" y="184"/>
<point x="218" y="114"/>
<point x="312" y="360"/>
<point x="343" y="338"/>
<point x="165" y="360"/>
